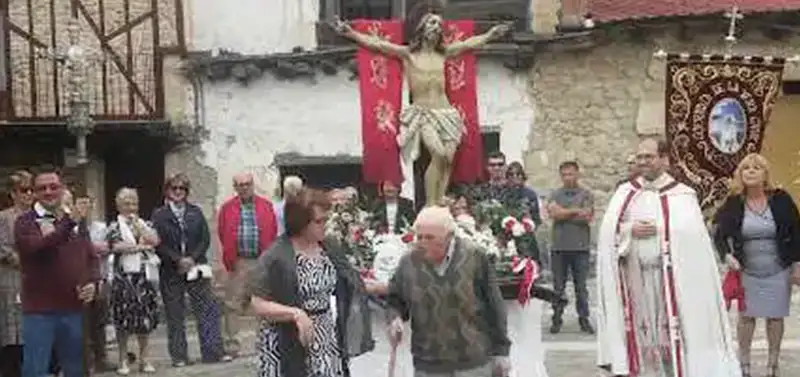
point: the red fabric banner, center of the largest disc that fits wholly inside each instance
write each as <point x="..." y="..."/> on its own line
<point x="381" y="89"/>
<point x="461" y="73"/>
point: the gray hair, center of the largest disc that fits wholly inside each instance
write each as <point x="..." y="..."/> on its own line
<point x="436" y="215"/>
<point x="292" y="185"/>
<point x="126" y="193"/>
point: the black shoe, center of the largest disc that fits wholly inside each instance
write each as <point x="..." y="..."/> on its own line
<point x="586" y="326"/>
<point x="555" y="328"/>
<point x="104" y="366"/>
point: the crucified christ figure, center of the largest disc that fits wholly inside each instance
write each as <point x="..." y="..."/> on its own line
<point x="431" y="119"/>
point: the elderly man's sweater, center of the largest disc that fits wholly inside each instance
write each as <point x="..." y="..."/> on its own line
<point x="458" y="317"/>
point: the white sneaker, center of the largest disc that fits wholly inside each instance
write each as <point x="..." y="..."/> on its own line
<point x="147" y="368"/>
<point x="123" y="369"/>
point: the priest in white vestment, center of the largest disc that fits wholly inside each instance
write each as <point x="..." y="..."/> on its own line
<point x="661" y="308"/>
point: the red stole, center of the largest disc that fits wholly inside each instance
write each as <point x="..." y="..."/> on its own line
<point x="669" y="294"/>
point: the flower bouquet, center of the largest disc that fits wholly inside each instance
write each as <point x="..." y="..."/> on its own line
<point x="348" y="225"/>
<point x="388" y="249"/>
<point x="515" y="265"/>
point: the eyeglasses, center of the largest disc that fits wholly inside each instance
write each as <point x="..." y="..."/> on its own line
<point x="50" y="187"/>
<point x="242" y="184"/>
<point x="24" y="190"/>
<point x="179" y="188"/>
<point x="496" y="164"/>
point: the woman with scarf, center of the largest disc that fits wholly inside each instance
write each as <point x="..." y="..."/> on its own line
<point x="133" y="297"/>
<point x="184" y="270"/>
<point x="311" y="302"/>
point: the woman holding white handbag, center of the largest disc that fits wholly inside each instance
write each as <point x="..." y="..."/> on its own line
<point x="133" y="296"/>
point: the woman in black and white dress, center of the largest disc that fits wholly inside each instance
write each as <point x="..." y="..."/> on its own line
<point x="134" y="306"/>
<point x="292" y="289"/>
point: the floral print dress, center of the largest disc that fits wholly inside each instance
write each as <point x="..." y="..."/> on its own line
<point x="316" y="279"/>
<point x="134" y="305"/>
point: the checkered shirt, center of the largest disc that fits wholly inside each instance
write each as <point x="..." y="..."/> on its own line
<point x="247" y="234"/>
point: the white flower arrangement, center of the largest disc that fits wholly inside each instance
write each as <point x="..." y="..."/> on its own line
<point x="483" y="237"/>
<point x="388" y="249"/>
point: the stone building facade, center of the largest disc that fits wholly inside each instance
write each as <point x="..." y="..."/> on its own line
<point x="251" y="124"/>
<point x="593" y="106"/>
<point x="588" y="99"/>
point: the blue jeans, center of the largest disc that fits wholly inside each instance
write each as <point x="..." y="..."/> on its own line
<point x="40" y="332"/>
<point x="579" y="264"/>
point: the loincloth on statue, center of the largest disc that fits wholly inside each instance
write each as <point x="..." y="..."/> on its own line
<point x="440" y="130"/>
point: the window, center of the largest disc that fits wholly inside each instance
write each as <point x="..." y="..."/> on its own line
<point x="353" y="9"/>
<point x="370" y="9"/>
<point x="791" y="87"/>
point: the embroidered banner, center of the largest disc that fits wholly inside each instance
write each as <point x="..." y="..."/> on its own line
<point x="381" y="86"/>
<point x="716" y="111"/>
<point x="461" y="75"/>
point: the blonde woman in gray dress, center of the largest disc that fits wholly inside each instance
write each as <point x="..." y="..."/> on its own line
<point x="758" y="232"/>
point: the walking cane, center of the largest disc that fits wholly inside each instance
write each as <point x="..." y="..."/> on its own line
<point x="392" y="360"/>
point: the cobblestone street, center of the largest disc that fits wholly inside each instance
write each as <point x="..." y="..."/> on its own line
<point x="569" y="354"/>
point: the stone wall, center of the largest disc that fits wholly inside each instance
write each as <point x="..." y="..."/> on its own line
<point x="593" y="106"/>
<point x="252" y="26"/>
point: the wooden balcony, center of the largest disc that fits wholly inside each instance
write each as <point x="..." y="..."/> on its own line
<point x="126" y="84"/>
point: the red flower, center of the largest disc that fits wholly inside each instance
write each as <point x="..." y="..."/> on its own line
<point x="367" y="274"/>
<point x="407" y="238"/>
<point x="358" y="234"/>
<point x="528" y="224"/>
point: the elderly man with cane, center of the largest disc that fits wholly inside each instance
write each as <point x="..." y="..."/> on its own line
<point x="446" y="287"/>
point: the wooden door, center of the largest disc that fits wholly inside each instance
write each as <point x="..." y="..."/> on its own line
<point x="137" y="161"/>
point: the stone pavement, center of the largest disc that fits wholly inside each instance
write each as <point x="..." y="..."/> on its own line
<point x="568" y="354"/>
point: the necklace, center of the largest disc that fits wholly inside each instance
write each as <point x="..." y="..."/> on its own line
<point x="758" y="206"/>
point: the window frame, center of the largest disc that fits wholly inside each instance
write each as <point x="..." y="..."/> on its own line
<point x="333" y="8"/>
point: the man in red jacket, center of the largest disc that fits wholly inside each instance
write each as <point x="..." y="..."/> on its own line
<point x="246" y="226"/>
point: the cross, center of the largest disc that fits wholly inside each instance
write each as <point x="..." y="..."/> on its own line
<point x="730" y="39"/>
<point x="75" y="58"/>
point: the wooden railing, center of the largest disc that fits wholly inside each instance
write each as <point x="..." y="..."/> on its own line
<point x="44" y="95"/>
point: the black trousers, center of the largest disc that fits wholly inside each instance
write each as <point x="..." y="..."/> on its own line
<point x="206" y="310"/>
<point x="94" y="331"/>
<point x="11" y="361"/>
<point x="577" y="263"/>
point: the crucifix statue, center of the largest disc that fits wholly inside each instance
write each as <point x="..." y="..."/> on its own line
<point x="76" y="60"/>
<point x="431" y="120"/>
